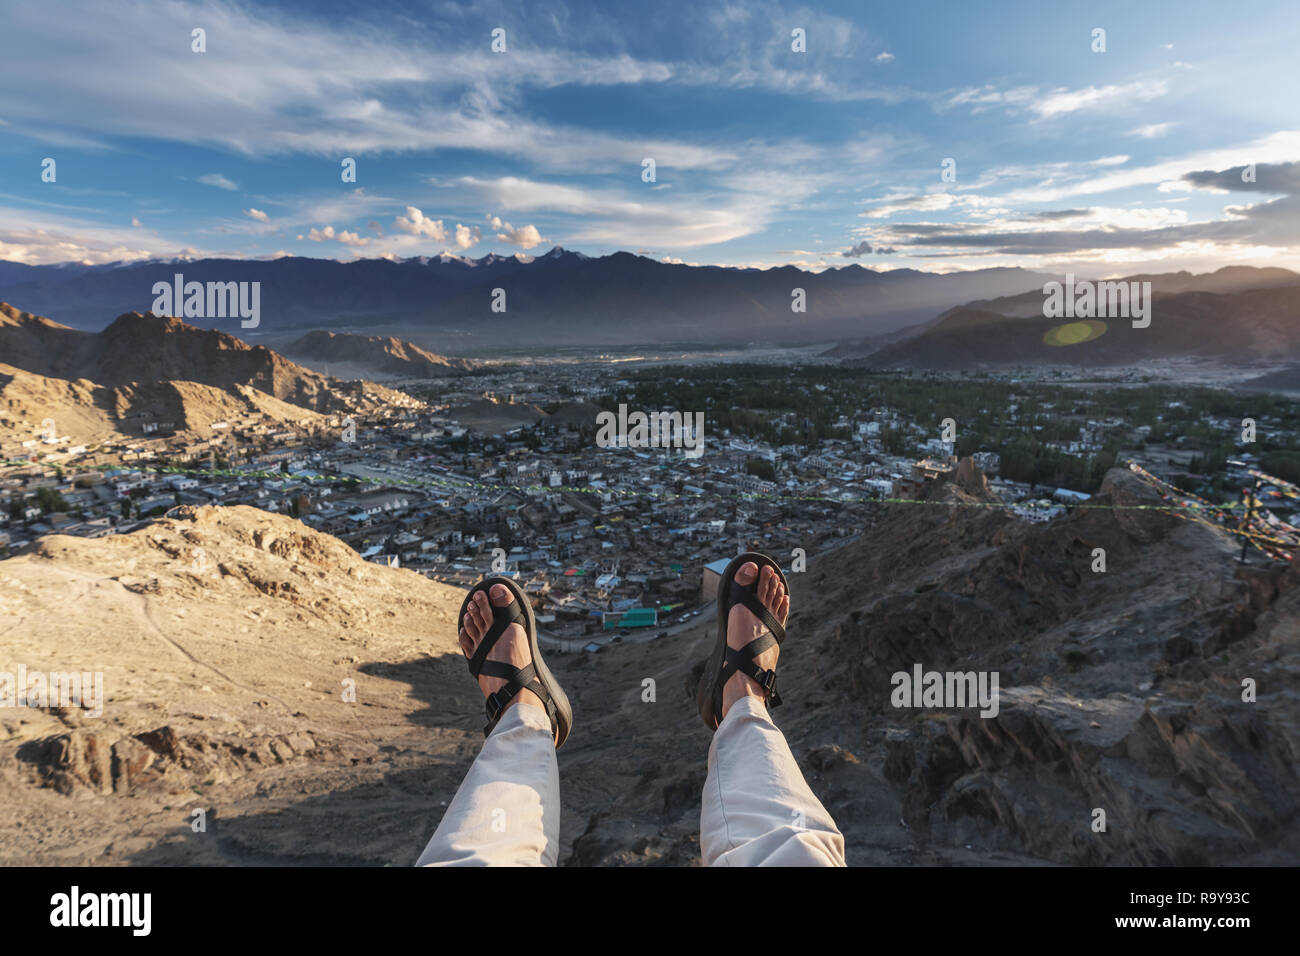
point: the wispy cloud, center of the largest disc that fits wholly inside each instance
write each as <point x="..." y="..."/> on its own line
<point x="216" y="179"/>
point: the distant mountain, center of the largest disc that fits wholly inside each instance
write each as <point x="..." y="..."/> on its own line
<point x="1283" y="380"/>
<point x="1223" y="281"/>
<point x="160" y="369"/>
<point x="371" y="355"/>
<point x="1259" y="326"/>
<point x="496" y="418"/>
<point x="561" y="297"/>
<point x="1230" y="279"/>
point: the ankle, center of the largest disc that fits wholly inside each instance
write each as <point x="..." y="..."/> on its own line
<point x="528" y="699"/>
<point x="738" y="687"/>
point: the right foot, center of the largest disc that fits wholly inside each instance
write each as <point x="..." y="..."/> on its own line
<point x="743" y="626"/>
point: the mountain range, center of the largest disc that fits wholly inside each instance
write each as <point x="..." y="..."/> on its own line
<point x="1238" y="317"/>
<point x="561" y="297"/>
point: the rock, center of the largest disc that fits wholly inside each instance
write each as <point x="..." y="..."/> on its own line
<point x="130" y="759"/>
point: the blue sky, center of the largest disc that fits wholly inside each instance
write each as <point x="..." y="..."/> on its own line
<point x="1065" y="158"/>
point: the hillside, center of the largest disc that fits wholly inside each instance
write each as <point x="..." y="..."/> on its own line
<point x="1286" y="381"/>
<point x="1259" y="326"/>
<point x="158" y="368"/>
<point x="1225" y="281"/>
<point x="485" y="415"/>
<point x="87" y="413"/>
<point x="942" y="341"/>
<point x="225" y="636"/>
<point x="370" y="355"/>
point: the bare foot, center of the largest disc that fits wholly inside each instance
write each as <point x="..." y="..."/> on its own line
<point x="511" y="647"/>
<point x="743" y="627"/>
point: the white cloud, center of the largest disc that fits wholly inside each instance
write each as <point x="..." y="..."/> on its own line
<point x="525" y="237"/>
<point x="467" y="236"/>
<point x="1152" y="130"/>
<point x="415" y="223"/>
<point x="218" y="180"/>
<point x="610" y="217"/>
<point x="386" y="88"/>
<point x="257" y="214"/>
<point x="885" y="57"/>
<point x="1058" y="102"/>
<point x="135" y="222"/>
<point x="915" y="204"/>
<point x="37" y="238"/>
<point x="330" y="234"/>
<point x="1278" y="147"/>
<point x="1061" y="102"/>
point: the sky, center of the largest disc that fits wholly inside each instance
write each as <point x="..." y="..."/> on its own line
<point x="941" y="136"/>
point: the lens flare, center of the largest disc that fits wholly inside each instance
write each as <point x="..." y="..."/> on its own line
<point x="1075" y="333"/>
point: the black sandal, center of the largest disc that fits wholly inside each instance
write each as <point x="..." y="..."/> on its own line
<point x="536" y="676"/>
<point x="724" y="661"/>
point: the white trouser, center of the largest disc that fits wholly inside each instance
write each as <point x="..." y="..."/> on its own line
<point x="756" y="810"/>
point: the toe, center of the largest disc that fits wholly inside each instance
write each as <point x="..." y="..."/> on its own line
<point x="501" y="595"/>
<point x="746" y="573"/>
<point x="475" y="618"/>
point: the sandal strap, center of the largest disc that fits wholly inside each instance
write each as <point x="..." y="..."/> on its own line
<point x="744" y="661"/>
<point x="502" y="618"/>
<point x="748" y="596"/>
<point x="516" y="680"/>
<point x="526" y="678"/>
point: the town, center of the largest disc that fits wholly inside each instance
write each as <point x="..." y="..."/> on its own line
<point x="502" y="472"/>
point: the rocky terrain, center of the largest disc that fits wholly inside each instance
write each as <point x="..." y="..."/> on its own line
<point x="343" y="354"/>
<point x="88" y="412"/>
<point x="153" y="367"/>
<point x="226" y="635"/>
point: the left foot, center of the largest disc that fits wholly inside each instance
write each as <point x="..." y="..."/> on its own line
<point x="511" y="647"/>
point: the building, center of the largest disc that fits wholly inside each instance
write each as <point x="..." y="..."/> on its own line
<point x="632" y="617"/>
<point x="712" y="575"/>
<point x="927" y="469"/>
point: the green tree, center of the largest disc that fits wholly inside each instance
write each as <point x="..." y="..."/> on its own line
<point x="50" y="500"/>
